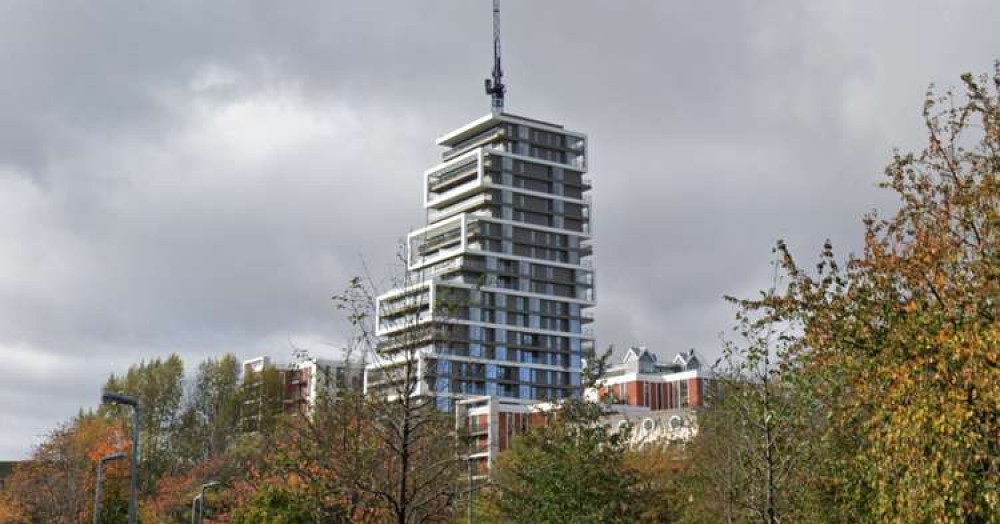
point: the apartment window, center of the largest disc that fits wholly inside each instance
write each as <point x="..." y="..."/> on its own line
<point x="684" y="393"/>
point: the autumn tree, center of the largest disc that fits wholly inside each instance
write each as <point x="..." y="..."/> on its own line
<point x="407" y="456"/>
<point x="660" y="473"/>
<point x="321" y="458"/>
<point x="902" y="344"/>
<point x="189" y="430"/>
<point x="171" y="498"/>
<point x="390" y="456"/>
<point x="276" y="505"/>
<point x="10" y="510"/>
<point x="57" y="483"/>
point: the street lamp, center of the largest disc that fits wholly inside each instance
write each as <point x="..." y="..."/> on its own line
<point x="115" y="398"/>
<point x="199" y="502"/>
<point x="472" y="484"/>
<point x="100" y="478"/>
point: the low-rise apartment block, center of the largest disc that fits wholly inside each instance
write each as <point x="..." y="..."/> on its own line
<point x="280" y="387"/>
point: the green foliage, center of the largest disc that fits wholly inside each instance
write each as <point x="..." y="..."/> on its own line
<point x="751" y="460"/>
<point x="661" y="475"/>
<point x="276" y="505"/>
<point x="901" y="347"/>
<point x="260" y="401"/>
<point x="575" y="468"/>
<point x="568" y="470"/>
<point x="572" y="468"/>
<point x="210" y="422"/>
<point x="158" y="386"/>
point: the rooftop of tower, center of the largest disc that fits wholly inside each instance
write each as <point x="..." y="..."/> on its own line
<point x="485" y="122"/>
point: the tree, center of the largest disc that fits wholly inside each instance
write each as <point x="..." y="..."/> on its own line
<point x="324" y="456"/>
<point x="57" y="484"/>
<point x="571" y="468"/>
<point x="408" y="456"/>
<point x="660" y="472"/>
<point x="902" y="346"/>
<point x="751" y="458"/>
<point x="10" y="510"/>
<point x="210" y="422"/>
<point x="276" y="505"/>
<point x="390" y="456"/>
<point x="260" y="401"/>
<point x="171" y="499"/>
<point x="158" y="386"/>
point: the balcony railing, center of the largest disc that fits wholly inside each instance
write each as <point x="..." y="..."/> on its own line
<point x="440" y="241"/>
<point x="453" y="193"/>
<point x="461" y="171"/>
<point x="465" y="145"/>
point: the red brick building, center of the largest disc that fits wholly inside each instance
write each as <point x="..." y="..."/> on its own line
<point x="641" y="380"/>
<point x="657" y="400"/>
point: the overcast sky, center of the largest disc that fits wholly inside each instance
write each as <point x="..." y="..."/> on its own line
<point x="200" y="177"/>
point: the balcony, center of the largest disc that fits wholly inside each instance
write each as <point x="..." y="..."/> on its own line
<point x="438" y="242"/>
<point x="477" y="140"/>
<point x="436" y="184"/>
<point x="478" y="429"/>
<point x="437" y="214"/>
<point x="409" y="305"/>
<point x="447" y="269"/>
<point x="454" y="194"/>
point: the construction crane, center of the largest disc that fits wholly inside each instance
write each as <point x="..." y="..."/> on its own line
<point x="495" y="87"/>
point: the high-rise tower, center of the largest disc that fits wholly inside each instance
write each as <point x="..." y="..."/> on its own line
<point x="499" y="282"/>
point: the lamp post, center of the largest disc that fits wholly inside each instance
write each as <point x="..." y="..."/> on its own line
<point x="100" y="479"/>
<point x="472" y="484"/>
<point x="194" y="509"/>
<point x="115" y="398"/>
<point x="199" y="502"/>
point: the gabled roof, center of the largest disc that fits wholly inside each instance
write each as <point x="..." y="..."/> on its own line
<point x="639" y="359"/>
<point x="639" y="353"/>
<point x="688" y="360"/>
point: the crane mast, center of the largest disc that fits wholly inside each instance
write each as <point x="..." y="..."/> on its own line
<point x="495" y="87"/>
